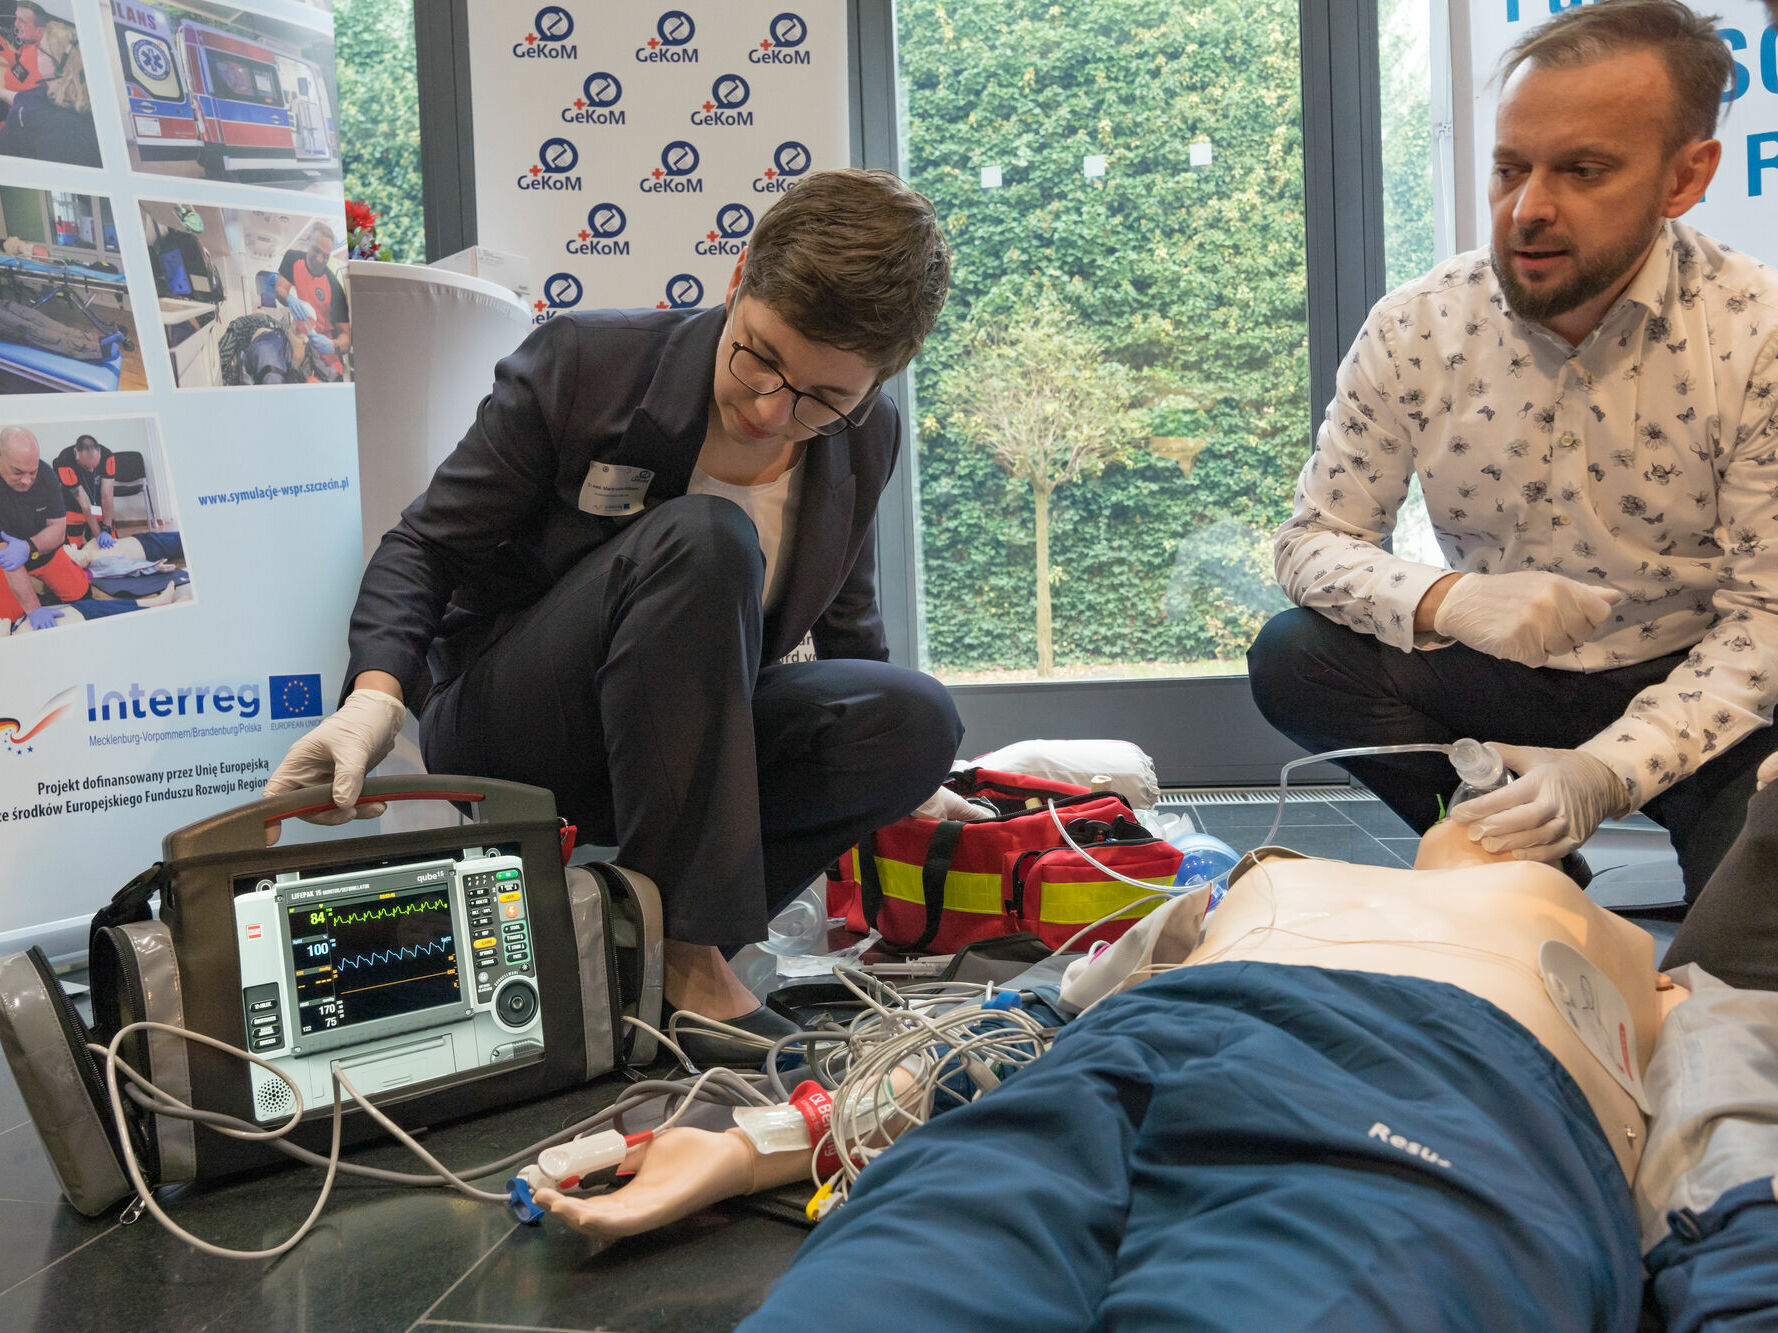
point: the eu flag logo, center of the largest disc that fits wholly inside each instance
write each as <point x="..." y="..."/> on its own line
<point x="296" y="696"/>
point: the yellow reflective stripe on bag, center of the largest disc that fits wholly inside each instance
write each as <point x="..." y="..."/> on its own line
<point x="964" y="891"/>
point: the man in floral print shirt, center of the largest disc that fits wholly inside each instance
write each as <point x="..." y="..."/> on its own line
<point x="1589" y="406"/>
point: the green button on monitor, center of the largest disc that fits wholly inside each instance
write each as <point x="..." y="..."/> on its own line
<point x="507" y="874"/>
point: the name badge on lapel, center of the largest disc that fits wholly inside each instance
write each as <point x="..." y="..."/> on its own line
<point x="611" y="491"/>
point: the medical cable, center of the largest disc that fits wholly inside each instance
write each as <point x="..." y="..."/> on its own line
<point x="1476" y="764"/>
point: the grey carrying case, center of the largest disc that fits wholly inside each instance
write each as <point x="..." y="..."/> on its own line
<point x="593" y="936"/>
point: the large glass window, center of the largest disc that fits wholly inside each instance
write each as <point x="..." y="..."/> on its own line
<point x="1111" y="415"/>
<point x="379" y="125"/>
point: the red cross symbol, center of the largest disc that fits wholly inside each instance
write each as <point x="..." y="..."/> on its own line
<point x="709" y="106"/>
<point x="579" y="103"/>
<point x="765" y="46"/>
<point x="657" y="173"/>
<point x="770" y="173"/>
<point x="584" y="233"/>
<point x="540" y="305"/>
<point x="653" y="42"/>
<point x="536" y="170"/>
<point x="660" y="305"/>
<point x="712" y="235"/>
<point x="530" y="38"/>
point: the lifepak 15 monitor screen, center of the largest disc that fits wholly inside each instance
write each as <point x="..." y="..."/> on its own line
<point x="359" y="959"/>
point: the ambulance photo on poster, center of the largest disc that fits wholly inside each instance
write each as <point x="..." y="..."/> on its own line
<point x="46" y="112"/>
<point x="250" y="297"/>
<point x="210" y="92"/>
<point x="88" y="527"/>
<point x="66" y="322"/>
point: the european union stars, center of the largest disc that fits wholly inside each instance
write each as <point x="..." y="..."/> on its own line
<point x="296" y="696"/>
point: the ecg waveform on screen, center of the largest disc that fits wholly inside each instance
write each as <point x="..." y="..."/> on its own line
<point x="375" y="913"/>
<point x="381" y="956"/>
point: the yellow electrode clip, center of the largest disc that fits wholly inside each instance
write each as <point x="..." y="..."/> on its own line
<point x="815" y="1209"/>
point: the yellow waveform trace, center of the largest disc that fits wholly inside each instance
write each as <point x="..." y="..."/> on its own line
<point x="372" y="914"/>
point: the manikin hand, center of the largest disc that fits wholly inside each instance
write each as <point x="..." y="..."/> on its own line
<point x="946" y="804"/>
<point x="1527" y="617"/>
<point x="341" y="751"/>
<point x="1553" y="807"/>
<point x="683" y="1171"/>
<point x="13" y="552"/>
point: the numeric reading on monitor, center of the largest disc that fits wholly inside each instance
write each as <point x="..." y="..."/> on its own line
<point x="369" y="958"/>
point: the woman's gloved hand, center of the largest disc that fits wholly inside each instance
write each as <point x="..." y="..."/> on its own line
<point x="1560" y="797"/>
<point x="1528" y="616"/>
<point x="341" y="751"/>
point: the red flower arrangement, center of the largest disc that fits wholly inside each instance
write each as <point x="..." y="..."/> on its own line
<point x="361" y="232"/>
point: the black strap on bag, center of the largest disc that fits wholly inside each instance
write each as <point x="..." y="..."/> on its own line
<point x="939" y="854"/>
<point x="130" y="903"/>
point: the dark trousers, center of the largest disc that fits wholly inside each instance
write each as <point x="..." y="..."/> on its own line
<point x="1327" y="687"/>
<point x="634" y="691"/>
<point x="1732" y="930"/>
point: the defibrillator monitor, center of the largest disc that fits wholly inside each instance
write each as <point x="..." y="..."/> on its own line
<point x="401" y="973"/>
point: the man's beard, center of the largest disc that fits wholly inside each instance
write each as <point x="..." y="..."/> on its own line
<point x="1590" y="278"/>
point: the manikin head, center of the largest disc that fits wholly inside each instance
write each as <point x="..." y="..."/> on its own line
<point x="839" y="285"/>
<point x="1605" y="128"/>
<point x="19" y="458"/>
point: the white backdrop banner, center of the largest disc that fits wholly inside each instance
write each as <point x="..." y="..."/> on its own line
<point x="1742" y="205"/>
<point x="627" y="151"/>
<point x="181" y="486"/>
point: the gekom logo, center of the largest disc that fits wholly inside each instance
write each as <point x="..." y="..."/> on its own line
<point x="723" y="107"/>
<point x="561" y="291"/>
<point x="675" y="175"/>
<point x="671" y="44"/>
<point x="790" y="159"/>
<point x="734" y="222"/>
<point x="598" y="101"/>
<point x="556" y="160"/>
<point x="784" y="35"/>
<point x="604" y="224"/>
<point x="548" y="38"/>
<point x="684" y="292"/>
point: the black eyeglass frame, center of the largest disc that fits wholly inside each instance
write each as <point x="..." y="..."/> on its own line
<point x="843" y="420"/>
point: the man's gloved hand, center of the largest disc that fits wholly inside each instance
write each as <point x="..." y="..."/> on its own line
<point x="299" y="308"/>
<point x="1527" y="617"/>
<point x="1554" y="805"/>
<point x="946" y="804"/>
<point x="44" y="617"/>
<point x="341" y="751"/>
<point x="320" y="344"/>
<point x="13" y="552"/>
<point x="106" y="540"/>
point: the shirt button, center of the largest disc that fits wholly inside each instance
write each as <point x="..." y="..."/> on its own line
<point x="1569" y="439"/>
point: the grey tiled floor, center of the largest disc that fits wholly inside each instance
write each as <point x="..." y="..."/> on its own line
<point x="401" y="1259"/>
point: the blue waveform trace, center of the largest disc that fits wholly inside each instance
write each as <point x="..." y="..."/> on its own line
<point x="393" y="955"/>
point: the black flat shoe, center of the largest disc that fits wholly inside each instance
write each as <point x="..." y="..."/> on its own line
<point x="707" y="1047"/>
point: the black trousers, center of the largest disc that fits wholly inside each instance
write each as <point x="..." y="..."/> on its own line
<point x="1732" y="930"/>
<point x="1326" y="686"/>
<point x="634" y="691"/>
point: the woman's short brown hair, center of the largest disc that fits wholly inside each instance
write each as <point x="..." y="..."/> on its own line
<point x="853" y="259"/>
<point x="1698" y="63"/>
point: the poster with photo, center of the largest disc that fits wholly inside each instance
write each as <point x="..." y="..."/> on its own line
<point x="66" y="323"/>
<point x="249" y="297"/>
<point x="47" y="105"/>
<point x="178" y="560"/>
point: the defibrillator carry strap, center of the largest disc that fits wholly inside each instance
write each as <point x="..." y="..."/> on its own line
<point x="130" y="903"/>
<point x="939" y="853"/>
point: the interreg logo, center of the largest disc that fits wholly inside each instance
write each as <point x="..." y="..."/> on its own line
<point x="548" y="38"/>
<point x="604" y="224"/>
<point x="723" y="107"/>
<point x="679" y="160"/>
<point x="561" y="291"/>
<point x="18" y="734"/>
<point x="598" y="101"/>
<point x="684" y="292"/>
<point x="789" y="160"/>
<point x="729" y="236"/>
<point x="671" y="44"/>
<point x="137" y="704"/>
<point x="556" y="160"/>
<point x="784" y="36"/>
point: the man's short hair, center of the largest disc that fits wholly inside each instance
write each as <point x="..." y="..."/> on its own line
<point x="855" y="260"/>
<point x="86" y="442"/>
<point x="320" y="227"/>
<point x="1698" y="63"/>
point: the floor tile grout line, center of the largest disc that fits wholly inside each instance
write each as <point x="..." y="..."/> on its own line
<point x="71" y="1253"/>
<point x="514" y="1328"/>
<point x="461" y="1277"/>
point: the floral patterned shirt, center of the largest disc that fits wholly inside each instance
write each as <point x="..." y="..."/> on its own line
<point x="1645" y="459"/>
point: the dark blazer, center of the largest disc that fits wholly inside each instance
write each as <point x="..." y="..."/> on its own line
<point x="500" y="522"/>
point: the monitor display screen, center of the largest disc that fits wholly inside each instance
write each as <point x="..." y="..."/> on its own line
<point x="375" y="956"/>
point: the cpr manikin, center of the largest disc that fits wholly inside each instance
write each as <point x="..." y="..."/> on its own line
<point x="1462" y="916"/>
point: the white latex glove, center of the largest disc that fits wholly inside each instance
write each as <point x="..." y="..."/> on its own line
<point x="946" y="804"/>
<point x="1528" y="617"/>
<point x="340" y="752"/>
<point x="1768" y="769"/>
<point x="1560" y="797"/>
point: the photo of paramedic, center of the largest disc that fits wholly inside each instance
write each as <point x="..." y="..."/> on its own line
<point x="1344" y="1099"/>
<point x="66" y="321"/>
<point x="48" y="112"/>
<point x="249" y="297"/>
<point x="61" y="573"/>
<point x="652" y="508"/>
<point x="1591" y="409"/>
<point x="212" y="92"/>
